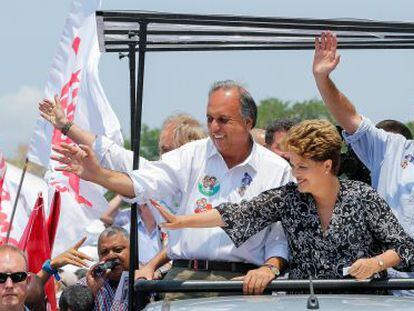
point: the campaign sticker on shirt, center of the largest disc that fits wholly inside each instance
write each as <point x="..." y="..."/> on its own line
<point x="208" y="185"/>
<point x="409" y="158"/>
<point x="202" y="206"/>
<point x="245" y="182"/>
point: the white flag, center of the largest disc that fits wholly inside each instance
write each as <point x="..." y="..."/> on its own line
<point x="74" y="77"/>
<point x="32" y="186"/>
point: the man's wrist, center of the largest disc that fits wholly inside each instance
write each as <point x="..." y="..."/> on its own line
<point x="61" y="123"/>
<point x="66" y="127"/>
<point x="47" y="267"/>
<point x="321" y="76"/>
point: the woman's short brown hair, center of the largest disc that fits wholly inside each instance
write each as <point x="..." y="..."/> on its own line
<point x="317" y="140"/>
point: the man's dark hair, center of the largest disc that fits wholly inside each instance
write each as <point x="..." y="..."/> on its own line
<point x="394" y="126"/>
<point x="76" y="297"/>
<point x="276" y="126"/>
<point x="248" y="108"/>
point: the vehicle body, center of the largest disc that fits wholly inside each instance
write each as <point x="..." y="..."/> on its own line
<point x="337" y="302"/>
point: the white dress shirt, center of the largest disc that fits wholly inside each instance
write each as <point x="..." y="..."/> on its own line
<point x="198" y="173"/>
<point x="113" y="156"/>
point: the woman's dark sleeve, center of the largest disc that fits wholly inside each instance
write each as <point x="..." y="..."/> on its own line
<point x="388" y="231"/>
<point x="247" y="218"/>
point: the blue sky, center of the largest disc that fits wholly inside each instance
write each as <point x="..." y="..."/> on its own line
<point x="381" y="83"/>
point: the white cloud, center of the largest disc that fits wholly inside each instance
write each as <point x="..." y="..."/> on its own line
<point x="18" y="114"/>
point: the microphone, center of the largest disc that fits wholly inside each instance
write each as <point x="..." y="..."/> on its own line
<point x="107" y="265"/>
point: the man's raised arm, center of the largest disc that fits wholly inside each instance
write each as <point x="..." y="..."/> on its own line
<point x="325" y="61"/>
<point x="81" y="161"/>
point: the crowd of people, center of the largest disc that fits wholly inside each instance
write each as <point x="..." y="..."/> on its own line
<point x="250" y="204"/>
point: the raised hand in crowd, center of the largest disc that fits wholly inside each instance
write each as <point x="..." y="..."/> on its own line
<point x="79" y="160"/>
<point x="325" y="59"/>
<point x="53" y="112"/>
<point x="72" y="256"/>
<point x="82" y="161"/>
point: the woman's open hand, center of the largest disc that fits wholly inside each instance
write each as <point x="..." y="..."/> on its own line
<point x="172" y="221"/>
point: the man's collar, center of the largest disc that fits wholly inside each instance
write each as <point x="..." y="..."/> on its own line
<point x="250" y="160"/>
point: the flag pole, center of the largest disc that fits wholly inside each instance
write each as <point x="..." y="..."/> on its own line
<point x="26" y="163"/>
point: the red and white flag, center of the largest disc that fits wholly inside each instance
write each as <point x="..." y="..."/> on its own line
<point x="74" y="77"/>
<point x="32" y="185"/>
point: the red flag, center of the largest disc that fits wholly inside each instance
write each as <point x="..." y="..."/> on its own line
<point x="53" y="219"/>
<point x="35" y="242"/>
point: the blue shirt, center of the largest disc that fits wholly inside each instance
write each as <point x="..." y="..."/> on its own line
<point x="149" y="242"/>
<point x="390" y="158"/>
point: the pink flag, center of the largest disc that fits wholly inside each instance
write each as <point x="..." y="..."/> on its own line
<point x="74" y="77"/>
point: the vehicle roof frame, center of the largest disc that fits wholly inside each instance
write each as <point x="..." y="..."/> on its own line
<point x="140" y="32"/>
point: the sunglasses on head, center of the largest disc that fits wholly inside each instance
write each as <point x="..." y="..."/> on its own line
<point x="16" y="277"/>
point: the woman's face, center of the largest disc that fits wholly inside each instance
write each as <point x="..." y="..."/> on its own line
<point x="309" y="174"/>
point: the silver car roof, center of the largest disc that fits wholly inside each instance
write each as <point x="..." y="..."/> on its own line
<point x="288" y="302"/>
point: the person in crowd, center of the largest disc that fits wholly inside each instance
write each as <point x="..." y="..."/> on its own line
<point x="228" y="165"/>
<point x="76" y="298"/>
<point x="258" y="136"/>
<point x="334" y="227"/>
<point x="275" y="133"/>
<point x="389" y="156"/>
<point x="113" y="245"/>
<point x="14" y="278"/>
<point x="148" y="231"/>
<point x="35" y="299"/>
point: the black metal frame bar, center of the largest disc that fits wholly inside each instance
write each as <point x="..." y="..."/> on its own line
<point x="277" y="285"/>
<point x="139" y="37"/>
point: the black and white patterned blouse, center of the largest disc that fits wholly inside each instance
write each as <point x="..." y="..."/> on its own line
<point x="362" y="225"/>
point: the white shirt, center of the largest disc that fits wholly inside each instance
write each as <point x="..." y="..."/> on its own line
<point x="390" y="158"/>
<point x="149" y="242"/>
<point x="113" y="156"/>
<point x="198" y="172"/>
